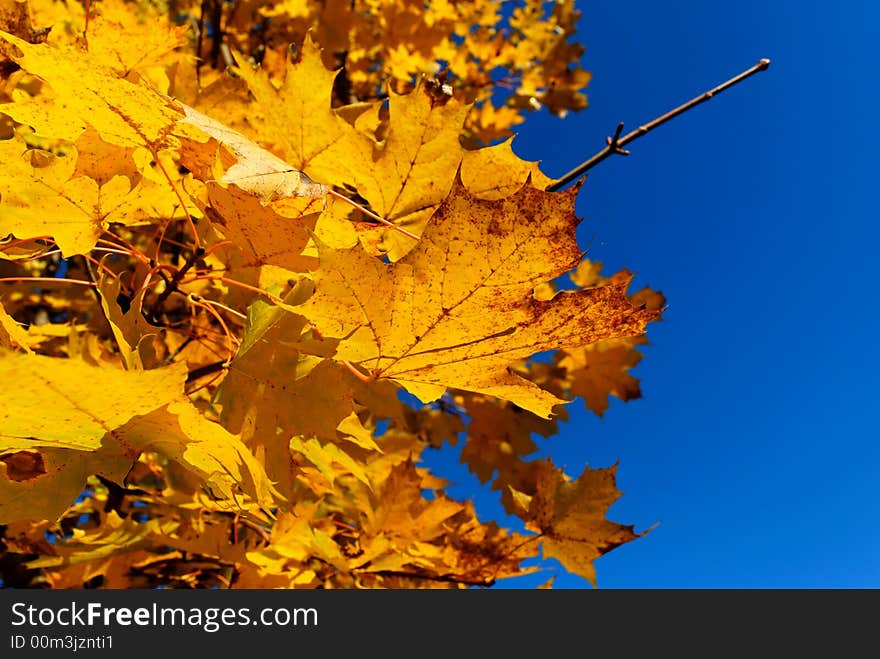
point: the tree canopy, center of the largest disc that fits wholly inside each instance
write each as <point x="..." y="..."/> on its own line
<point x="256" y="258"/>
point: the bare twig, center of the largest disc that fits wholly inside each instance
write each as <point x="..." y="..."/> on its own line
<point x="616" y="143"/>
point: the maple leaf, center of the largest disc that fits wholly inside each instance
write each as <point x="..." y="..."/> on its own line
<point x="570" y="516"/>
<point x="403" y="177"/>
<point x="297" y="117"/>
<point x="275" y="234"/>
<point x="156" y="37"/>
<point x="66" y="426"/>
<point x="498" y="435"/>
<point x="11" y="333"/>
<point x="73" y="420"/>
<point x="275" y="391"/>
<point x="601" y="369"/>
<point x="39" y="194"/>
<point x="134" y="336"/>
<point x="310" y="478"/>
<point x="458" y="309"/>
<point x="412" y="170"/>
<point x="496" y="172"/>
<point x="86" y="93"/>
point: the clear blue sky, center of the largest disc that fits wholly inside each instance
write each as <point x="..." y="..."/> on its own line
<point x="755" y="445"/>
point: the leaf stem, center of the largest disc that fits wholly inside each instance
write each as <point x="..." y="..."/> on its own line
<point x="232" y="282"/>
<point x="51" y="280"/>
<point x="372" y="215"/>
<point x="354" y="371"/>
<point x="177" y="193"/>
<point x="616" y="143"/>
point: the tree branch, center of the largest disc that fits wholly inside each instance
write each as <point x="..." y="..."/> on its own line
<point x="616" y="143"/>
<point x="171" y="286"/>
<point x="207" y="369"/>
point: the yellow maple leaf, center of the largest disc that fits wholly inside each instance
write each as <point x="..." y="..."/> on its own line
<point x="403" y="177"/>
<point x="401" y="524"/>
<point x="275" y="391"/>
<point x="62" y="414"/>
<point x="85" y="93"/>
<point x="297" y="118"/>
<point x="222" y="462"/>
<point x="82" y="419"/>
<point x="594" y="372"/>
<point x="458" y="309"/>
<point x="11" y="333"/>
<point x="151" y="42"/>
<point x="496" y="172"/>
<point x="414" y="166"/>
<point x="41" y="484"/>
<point x="134" y="335"/>
<point x="61" y="403"/>
<point x="570" y="516"/>
<point x="40" y="195"/>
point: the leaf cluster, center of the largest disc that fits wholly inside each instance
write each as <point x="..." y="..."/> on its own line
<point x="240" y="302"/>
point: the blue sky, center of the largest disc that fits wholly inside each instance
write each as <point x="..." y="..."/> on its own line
<point x="754" y="445"/>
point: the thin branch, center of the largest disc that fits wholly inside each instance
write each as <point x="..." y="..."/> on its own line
<point x="616" y="143"/>
<point x="171" y="287"/>
<point x="48" y="280"/>
<point x="207" y="369"/>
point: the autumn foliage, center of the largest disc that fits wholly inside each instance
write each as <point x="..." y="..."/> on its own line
<point x="257" y="258"/>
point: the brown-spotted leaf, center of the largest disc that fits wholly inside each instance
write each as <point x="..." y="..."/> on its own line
<point x="15" y="18"/>
<point x="56" y="479"/>
<point x="458" y="309"/>
<point x="599" y="370"/>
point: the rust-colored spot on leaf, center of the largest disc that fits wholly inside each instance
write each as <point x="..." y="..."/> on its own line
<point x="23" y="465"/>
